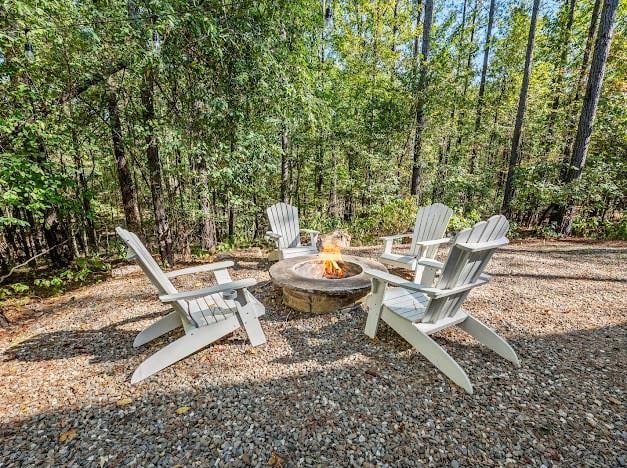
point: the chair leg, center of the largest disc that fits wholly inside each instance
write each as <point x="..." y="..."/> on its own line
<point x="247" y="316"/>
<point x="162" y="326"/>
<point x="429" y="349"/>
<point x="489" y="338"/>
<point x="374" y="305"/>
<point x="194" y="341"/>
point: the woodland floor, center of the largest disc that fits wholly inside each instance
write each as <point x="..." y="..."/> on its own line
<point x="320" y="392"/>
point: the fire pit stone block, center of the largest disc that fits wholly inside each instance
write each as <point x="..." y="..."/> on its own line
<point x="305" y="290"/>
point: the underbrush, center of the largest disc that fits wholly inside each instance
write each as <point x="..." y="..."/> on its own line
<point x="83" y="271"/>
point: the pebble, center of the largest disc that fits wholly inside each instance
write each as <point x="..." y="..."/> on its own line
<point x="321" y="393"/>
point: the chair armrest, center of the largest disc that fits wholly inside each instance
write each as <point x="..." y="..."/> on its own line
<point x="392" y="279"/>
<point x="200" y="269"/>
<point x="397" y="236"/>
<point x="481" y="246"/>
<point x="434" y="293"/>
<point x="430" y="263"/>
<point x="273" y="235"/>
<point x="427" y="243"/>
<point x="196" y="293"/>
<point x="313" y="235"/>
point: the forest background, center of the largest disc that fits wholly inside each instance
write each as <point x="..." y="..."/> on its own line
<point x="185" y="120"/>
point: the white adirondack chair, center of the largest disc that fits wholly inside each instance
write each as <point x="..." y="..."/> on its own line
<point x="415" y="311"/>
<point x="286" y="232"/>
<point x="428" y="235"/>
<point x="205" y="314"/>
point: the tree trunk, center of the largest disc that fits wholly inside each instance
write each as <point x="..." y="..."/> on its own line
<point x="590" y="104"/>
<point x="56" y="238"/>
<point x="564" y="42"/>
<point x="125" y="177"/>
<point x="583" y="72"/>
<point x="208" y="239"/>
<point x="285" y="147"/>
<point x="520" y="115"/>
<point x="421" y="98"/>
<point x="88" y="215"/>
<point x="154" y="167"/>
<point x="484" y="72"/>
<point x="462" y="113"/>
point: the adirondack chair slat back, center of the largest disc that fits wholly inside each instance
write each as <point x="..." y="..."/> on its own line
<point x="148" y="265"/>
<point x="284" y="221"/>
<point x="463" y="267"/>
<point x="431" y="223"/>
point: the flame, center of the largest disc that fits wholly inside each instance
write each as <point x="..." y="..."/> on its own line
<point x="330" y="257"/>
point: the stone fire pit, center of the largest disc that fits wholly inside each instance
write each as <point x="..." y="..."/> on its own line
<point x="305" y="287"/>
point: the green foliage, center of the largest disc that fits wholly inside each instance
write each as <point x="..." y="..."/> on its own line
<point x="231" y="80"/>
<point x="81" y="272"/>
<point x="14" y="289"/>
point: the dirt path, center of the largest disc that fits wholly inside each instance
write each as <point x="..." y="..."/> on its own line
<point x="320" y="391"/>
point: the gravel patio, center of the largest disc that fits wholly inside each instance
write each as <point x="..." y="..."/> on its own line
<point x="320" y="392"/>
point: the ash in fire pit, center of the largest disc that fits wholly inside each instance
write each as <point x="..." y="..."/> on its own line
<point x="308" y="286"/>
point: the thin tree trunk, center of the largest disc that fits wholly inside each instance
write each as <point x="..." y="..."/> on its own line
<point x="484" y="72"/>
<point x="590" y="104"/>
<point x="564" y="42"/>
<point x="462" y="113"/>
<point x="421" y="98"/>
<point x="418" y="13"/>
<point x="520" y="115"/>
<point x="285" y="147"/>
<point x="88" y="215"/>
<point x="125" y="176"/>
<point x="208" y="239"/>
<point x="154" y="167"/>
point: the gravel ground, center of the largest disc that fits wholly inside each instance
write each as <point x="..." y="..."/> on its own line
<point x="320" y="392"/>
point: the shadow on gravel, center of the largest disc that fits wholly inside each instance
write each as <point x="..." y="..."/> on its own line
<point x="562" y="407"/>
<point x="105" y="344"/>
<point x="569" y="252"/>
<point x="559" y="277"/>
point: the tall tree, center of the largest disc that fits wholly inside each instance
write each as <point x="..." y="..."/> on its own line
<point x="484" y="72"/>
<point x="421" y="98"/>
<point x="581" y="79"/>
<point x="566" y="26"/>
<point x="123" y="169"/>
<point x="590" y="104"/>
<point x="514" y="156"/>
<point x="164" y="235"/>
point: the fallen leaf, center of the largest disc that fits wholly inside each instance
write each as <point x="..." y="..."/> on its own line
<point x="183" y="409"/>
<point x="124" y="402"/>
<point x="372" y="372"/>
<point x="251" y="351"/>
<point x="275" y="460"/>
<point x="68" y="435"/>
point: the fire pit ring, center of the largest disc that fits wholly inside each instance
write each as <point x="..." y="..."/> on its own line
<point x="305" y="289"/>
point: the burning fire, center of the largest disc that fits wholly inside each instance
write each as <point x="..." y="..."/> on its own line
<point x="330" y="257"/>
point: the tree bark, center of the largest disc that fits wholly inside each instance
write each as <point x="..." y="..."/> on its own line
<point x="590" y="104"/>
<point x="514" y="156"/>
<point x="125" y="177"/>
<point x="164" y="235"/>
<point x="421" y="99"/>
